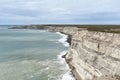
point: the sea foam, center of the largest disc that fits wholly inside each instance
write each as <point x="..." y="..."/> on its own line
<point x="63" y="39"/>
<point x="68" y="75"/>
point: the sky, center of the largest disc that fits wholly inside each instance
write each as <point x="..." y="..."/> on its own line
<point x="59" y="12"/>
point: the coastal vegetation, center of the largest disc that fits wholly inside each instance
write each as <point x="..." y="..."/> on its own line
<point x="101" y="28"/>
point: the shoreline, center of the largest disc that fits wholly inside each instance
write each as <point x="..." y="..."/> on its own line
<point x="72" y="69"/>
<point x="69" y="37"/>
<point x="65" y="41"/>
<point x="82" y="37"/>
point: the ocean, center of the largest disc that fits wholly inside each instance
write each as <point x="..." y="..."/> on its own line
<point x="33" y="55"/>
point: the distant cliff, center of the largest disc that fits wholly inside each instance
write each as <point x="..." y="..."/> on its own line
<point x="93" y="54"/>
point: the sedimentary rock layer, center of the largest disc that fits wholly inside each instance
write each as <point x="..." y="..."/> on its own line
<point x="92" y="54"/>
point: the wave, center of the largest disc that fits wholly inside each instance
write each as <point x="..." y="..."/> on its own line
<point x="62" y="60"/>
<point x="63" y="39"/>
<point x="68" y="75"/>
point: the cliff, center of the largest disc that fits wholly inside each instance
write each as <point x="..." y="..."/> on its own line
<point x="92" y="55"/>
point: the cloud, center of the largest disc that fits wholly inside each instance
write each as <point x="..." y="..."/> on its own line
<point x="62" y="11"/>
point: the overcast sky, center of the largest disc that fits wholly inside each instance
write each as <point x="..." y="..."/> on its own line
<point x="59" y="11"/>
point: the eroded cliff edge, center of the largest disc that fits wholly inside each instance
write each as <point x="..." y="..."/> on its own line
<point x="92" y="54"/>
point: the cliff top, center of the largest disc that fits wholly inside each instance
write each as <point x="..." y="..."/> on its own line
<point x="101" y="28"/>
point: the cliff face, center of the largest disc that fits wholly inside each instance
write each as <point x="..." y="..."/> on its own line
<point x="92" y="54"/>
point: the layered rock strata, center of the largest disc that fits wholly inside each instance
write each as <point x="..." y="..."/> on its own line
<point x="92" y="54"/>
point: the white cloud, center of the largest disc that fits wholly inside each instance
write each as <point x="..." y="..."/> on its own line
<point x="57" y="10"/>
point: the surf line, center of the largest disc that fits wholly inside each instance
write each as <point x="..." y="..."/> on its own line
<point x="64" y="40"/>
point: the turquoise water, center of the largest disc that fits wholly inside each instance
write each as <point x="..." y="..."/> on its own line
<point x="31" y="55"/>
